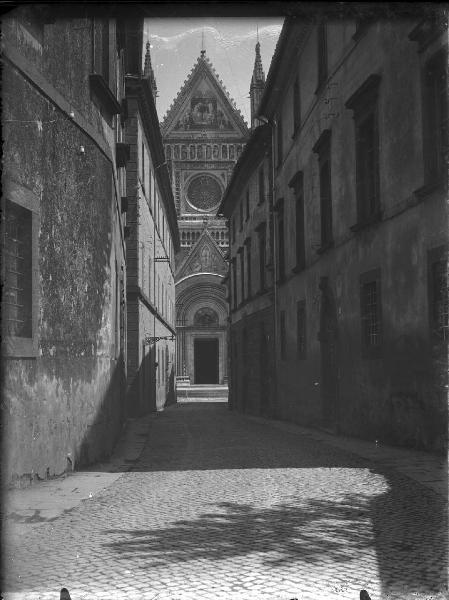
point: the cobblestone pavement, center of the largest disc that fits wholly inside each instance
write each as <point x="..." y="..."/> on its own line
<point x="220" y="506"/>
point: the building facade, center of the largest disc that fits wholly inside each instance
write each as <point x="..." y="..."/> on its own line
<point x="360" y="229"/>
<point x="203" y="135"/>
<point x="64" y="278"/>
<point x="151" y="246"/>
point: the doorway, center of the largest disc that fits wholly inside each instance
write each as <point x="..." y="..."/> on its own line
<point x="328" y="346"/>
<point x="206" y="360"/>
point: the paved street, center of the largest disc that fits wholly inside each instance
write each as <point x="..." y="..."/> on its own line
<point x="223" y="506"/>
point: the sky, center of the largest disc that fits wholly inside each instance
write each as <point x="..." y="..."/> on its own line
<point x="229" y="43"/>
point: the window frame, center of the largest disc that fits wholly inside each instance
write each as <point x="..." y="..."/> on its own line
<point x="435" y="256"/>
<point x="301" y="349"/>
<point x="323" y="149"/>
<point x="297" y="185"/>
<point x="283" y="335"/>
<point x="262" y="248"/>
<point x="25" y="347"/>
<point x="280" y="225"/>
<point x="435" y="165"/>
<point x="322" y="56"/>
<point x="365" y="105"/>
<point x="369" y="351"/>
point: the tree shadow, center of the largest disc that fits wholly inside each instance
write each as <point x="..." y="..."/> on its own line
<point x="411" y="553"/>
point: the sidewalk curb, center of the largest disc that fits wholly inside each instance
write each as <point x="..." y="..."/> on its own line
<point x="424" y="468"/>
<point x="47" y="500"/>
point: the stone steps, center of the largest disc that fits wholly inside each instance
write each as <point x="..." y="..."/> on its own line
<point x="202" y="391"/>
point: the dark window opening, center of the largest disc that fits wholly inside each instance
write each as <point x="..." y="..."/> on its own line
<point x="367" y="168"/>
<point x="248" y="266"/>
<point x="242" y="273"/>
<point x="283" y="336"/>
<point x="247" y="205"/>
<point x="322" y="54"/>
<point x="298" y="188"/>
<point x="301" y="329"/>
<point x="296" y="106"/>
<point x="436" y="118"/>
<point x="262" y="257"/>
<point x="17" y="266"/>
<point x="241" y="216"/>
<point x="281" y="241"/>
<point x="322" y="148"/>
<point x="279" y="141"/>
<point x="439" y="308"/>
<point x="261" y="185"/>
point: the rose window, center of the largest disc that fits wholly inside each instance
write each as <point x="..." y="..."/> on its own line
<point x="204" y="193"/>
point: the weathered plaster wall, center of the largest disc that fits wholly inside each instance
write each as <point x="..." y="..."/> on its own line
<point x="67" y="399"/>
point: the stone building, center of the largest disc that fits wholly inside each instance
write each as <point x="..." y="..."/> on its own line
<point x="359" y="301"/>
<point x="64" y="279"/>
<point x="150" y="248"/>
<point x="203" y="134"/>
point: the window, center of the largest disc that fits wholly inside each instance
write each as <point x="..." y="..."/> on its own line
<point x="283" y="336"/>
<point x="322" y="148"/>
<point x="17" y="291"/>
<point x="438" y="293"/>
<point x="248" y="265"/>
<point x="322" y="54"/>
<point x="247" y="204"/>
<point x="242" y="273"/>
<point x="241" y="215"/>
<point x="296" y="106"/>
<point x="261" y="185"/>
<point x="279" y="141"/>
<point x="281" y="241"/>
<point x="301" y="329"/>
<point x="262" y="255"/>
<point x="298" y="188"/>
<point x="234" y="282"/>
<point x="20" y="231"/>
<point x="143" y="166"/>
<point x="436" y="117"/>
<point x="370" y="312"/>
<point x="364" y="105"/>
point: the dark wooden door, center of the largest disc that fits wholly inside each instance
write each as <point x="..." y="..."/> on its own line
<point x="206" y="360"/>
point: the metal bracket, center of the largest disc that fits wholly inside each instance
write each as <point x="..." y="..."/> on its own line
<point x="152" y="340"/>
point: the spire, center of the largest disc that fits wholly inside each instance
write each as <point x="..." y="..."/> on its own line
<point x="148" y="72"/>
<point x="257" y="83"/>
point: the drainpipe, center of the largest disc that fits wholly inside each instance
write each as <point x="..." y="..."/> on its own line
<point x="272" y="123"/>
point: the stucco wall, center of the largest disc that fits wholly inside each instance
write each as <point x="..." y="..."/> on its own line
<point x="63" y="407"/>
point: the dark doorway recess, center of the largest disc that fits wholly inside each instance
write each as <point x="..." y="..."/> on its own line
<point x="206" y="360"/>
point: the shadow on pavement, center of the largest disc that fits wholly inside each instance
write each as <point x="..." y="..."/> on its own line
<point x="403" y="522"/>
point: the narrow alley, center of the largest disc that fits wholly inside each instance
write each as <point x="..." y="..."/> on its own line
<point x="222" y="505"/>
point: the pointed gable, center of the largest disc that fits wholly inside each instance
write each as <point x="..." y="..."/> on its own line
<point x="203" y="104"/>
<point x="204" y="257"/>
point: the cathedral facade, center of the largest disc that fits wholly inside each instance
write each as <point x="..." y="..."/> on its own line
<point x="203" y="135"/>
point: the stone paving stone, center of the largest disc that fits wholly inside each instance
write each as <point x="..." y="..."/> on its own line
<point x="221" y="506"/>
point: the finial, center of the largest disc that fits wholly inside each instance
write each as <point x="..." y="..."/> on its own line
<point x="257" y="30"/>
<point x="203" y="50"/>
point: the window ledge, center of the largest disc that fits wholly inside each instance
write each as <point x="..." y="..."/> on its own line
<point x="296" y="130"/>
<point x="320" y="87"/>
<point x="17" y="347"/>
<point x="372" y="220"/>
<point x="360" y="31"/>
<point x="104" y="94"/>
<point x="429" y="188"/>
<point x="325" y="247"/>
<point x="298" y="268"/>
